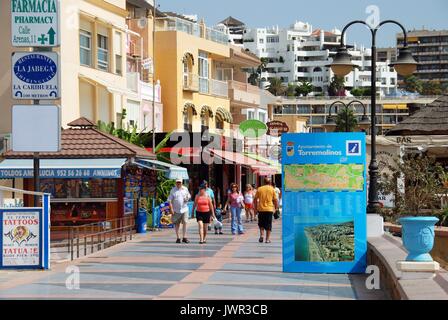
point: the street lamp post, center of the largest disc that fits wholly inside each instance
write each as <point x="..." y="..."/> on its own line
<point x="330" y="124"/>
<point x="342" y="65"/>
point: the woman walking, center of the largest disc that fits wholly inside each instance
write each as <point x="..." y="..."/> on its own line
<point x="235" y="202"/>
<point x="249" y="195"/>
<point x="204" y="211"/>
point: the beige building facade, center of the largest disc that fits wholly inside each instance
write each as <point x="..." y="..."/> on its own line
<point x="93" y="37"/>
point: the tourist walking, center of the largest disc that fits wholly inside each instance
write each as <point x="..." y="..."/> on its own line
<point x="211" y="194"/>
<point x="235" y="202"/>
<point x="265" y="203"/>
<point x="249" y="195"/>
<point x="278" y="192"/>
<point x="178" y="200"/>
<point x="204" y="212"/>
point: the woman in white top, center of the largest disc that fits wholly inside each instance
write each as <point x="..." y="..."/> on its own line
<point x="249" y="195"/>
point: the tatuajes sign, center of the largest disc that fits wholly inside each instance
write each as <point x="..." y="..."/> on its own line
<point x="20" y="238"/>
<point x="35" y="23"/>
<point x="35" y="75"/>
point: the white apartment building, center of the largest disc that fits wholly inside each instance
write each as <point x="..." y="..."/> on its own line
<point x="299" y="53"/>
<point x="234" y="29"/>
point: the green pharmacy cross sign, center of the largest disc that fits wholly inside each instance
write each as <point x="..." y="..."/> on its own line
<point x="35" y="23"/>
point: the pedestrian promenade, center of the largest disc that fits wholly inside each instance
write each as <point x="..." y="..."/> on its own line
<point x="153" y="266"/>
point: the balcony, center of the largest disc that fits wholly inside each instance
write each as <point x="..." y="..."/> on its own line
<point x="194" y="29"/>
<point x="190" y="82"/>
<point x="143" y="90"/>
<point x="316" y="63"/>
<point x="244" y="94"/>
<point x="219" y="88"/>
<point x="213" y="87"/>
<point x="316" y="53"/>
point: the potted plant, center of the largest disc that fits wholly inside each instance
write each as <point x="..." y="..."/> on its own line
<point x="415" y="182"/>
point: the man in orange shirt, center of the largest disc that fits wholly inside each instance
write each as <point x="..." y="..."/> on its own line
<point x="265" y="203"/>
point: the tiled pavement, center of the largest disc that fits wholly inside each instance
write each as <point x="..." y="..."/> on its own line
<point x="152" y="266"/>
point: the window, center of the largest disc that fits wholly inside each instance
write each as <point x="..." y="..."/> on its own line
<point x="203" y="72"/>
<point x="187" y="123"/>
<point x="85" y="47"/>
<point x="205" y="123"/>
<point x="261" y="41"/>
<point x="103" y="53"/>
<point x="219" y="124"/>
<point x="262" y="117"/>
<point x="117" y="50"/>
<point x="274" y="39"/>
<point x="250" y="114"/>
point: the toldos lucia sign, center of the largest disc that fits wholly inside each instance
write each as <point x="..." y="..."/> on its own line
<point x="35" y="23"/>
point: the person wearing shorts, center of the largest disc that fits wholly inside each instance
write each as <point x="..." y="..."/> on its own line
<point x="249" y="203"/>
<point x="204" y="211"/>
<point x="178" y="200"/>
<point x="265" y="203"/>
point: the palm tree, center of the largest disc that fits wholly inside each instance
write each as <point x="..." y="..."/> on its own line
<point x="291" y="90"/>
<point x="346" y="121"/>
<point x="413" y="84"/>
<point x="337" y="86"/>
<point x="254" y="78"/>
<point x="276" y="86"/>
<point x="304" y="88"/>
<point x="431" y="88"/>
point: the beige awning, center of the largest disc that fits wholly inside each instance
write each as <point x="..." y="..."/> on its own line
<point x="109" y="86"/>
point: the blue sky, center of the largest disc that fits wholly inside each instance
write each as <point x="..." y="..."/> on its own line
<point x="326" y="14"/>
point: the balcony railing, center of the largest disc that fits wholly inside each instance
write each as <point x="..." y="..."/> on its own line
<point x="190" y="82"/>
<point x="247" y="87"/>
<point x="194" y="29"/>
<point x="219" y="88"/>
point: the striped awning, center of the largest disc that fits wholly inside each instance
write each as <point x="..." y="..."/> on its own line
<point x="188" y="56"/>
<point x="189" y="105"/>
<point x="206" y="110"/>
<point x="224" y="115"/>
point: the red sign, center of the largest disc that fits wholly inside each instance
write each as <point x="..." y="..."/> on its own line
<point x="277" y="128"/>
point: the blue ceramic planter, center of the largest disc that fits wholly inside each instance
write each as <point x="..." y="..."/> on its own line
<point x="418" y="237"/>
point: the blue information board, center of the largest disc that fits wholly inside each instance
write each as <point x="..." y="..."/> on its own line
<point x="324" y="202"/>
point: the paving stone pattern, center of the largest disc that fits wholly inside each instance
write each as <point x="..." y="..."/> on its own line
<point x="153" y="266"/>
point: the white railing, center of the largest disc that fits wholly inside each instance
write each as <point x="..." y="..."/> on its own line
<point x="330" y="98"/>
<point x="219" y="88"/>
<point x="194" y="29"/>
<point x="190" y="82"/>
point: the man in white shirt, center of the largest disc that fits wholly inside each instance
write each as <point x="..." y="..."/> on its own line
<point x="178" y="199"/>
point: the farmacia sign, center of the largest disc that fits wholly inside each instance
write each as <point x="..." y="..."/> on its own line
<point x="35" y="23"/>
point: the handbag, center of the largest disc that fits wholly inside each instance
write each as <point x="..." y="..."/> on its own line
<point x="277" y="214"/>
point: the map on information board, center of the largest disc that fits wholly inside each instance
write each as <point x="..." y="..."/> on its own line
<point x="324" y="177"/>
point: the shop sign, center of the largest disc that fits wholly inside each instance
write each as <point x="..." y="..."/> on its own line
<point x="35" y="23"/>
<point x="404" y="140"/>
<point x="277" y="128"/>
<point x="35" y="75"/>
<point x="166" y="219"/>
<point x="62" y="173"/>
<point x="253" y="128"/>
<point x="20" y="238"/>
